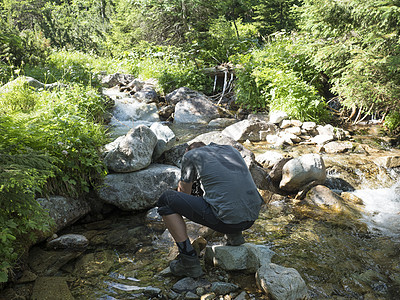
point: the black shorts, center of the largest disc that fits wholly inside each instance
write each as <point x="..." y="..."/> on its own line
<point x="197" y="210"/>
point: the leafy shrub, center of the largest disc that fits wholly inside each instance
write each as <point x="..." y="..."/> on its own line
<point x="278" y="77"/>
<point x="52" y="147"/>
<point x="392" y="121"/>
<point x="23" y="173"/>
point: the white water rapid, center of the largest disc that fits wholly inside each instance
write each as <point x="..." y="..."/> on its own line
<point x="382" y="210"/>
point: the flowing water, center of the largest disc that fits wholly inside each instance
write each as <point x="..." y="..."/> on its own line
<point x="339" y="257"/>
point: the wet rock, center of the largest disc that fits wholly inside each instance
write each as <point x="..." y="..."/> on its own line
<point x="141" y="189"/>
<point x="323" y="197"/>
<point x="133" y="151"/>
<point x="199" y="110"/>
<point x="223" y="288"/>
<point x="68" y="241"/>
<point x="388" y="161"/>
<point x="166" y="112"/>
<point x="166" y="139"/>
<point x="94" y="264"/>
<point x="51" y="288"/>
<point x="269" y="158"/>
<point x="134" y="86"/>
<point x="209" y="296"/>
<point x="227" y="257"/>
<point x="49" y="262"/>
<point x="189" y="284"/>
<point x="249" y="130"/>
<point x="300" y="171"/>
<point x="146" y="95"/>
<point x="222" y="122"/>
<point x="276" y="117"/>
<point x="281" y="283"/>
<point x="191" y="296"/>
<point x="247" y="257"/>
<point x="337" y="147"/>
<point x="64" y="211"/>
<point x="182" y="93"/>
<point x="27" y="276"/>
<point x="338" y="184"/>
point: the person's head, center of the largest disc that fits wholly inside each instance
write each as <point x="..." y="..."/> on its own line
<point x="195" y="145"/>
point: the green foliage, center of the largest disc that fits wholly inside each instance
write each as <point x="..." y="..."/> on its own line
<point x="50" y="147"/>
<point x="278" y="77"/>
<point x="19" y="97"/>
<point x="356" y="43"/>
<point x="23" y="173"/>
<point x="392" y="121"/>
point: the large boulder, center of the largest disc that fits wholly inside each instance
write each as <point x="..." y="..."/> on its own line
<point x="299" y="172"/>
<point x="192" y="106"/>
<point x="139" y="190"/>
<point x="64" y="211"/>
<point x="166" y="139"/>
<point x="197" y="110"/>
<point x="131" y="152"/>
<point x="252" y="130"/>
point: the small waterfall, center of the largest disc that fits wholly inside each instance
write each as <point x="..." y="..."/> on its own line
<point x="382" y="210"/>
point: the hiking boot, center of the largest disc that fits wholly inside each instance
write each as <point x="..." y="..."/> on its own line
<point x="234" y="239"/>
<point x="186" y="265"/>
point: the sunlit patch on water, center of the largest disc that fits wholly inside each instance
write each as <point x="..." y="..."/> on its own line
<point x="382" y="210"/>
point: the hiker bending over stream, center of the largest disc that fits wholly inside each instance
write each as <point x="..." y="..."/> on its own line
<point x="230" y="204"/>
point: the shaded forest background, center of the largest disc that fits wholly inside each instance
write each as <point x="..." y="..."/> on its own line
<point x="318" y="60"/>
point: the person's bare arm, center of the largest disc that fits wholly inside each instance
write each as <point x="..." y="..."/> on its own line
<point x="185" y="187"/>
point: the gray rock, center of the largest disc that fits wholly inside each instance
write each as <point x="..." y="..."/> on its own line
<point x="189" y="284"/>
<point x="166" y="139"/>
<point x="258" y="117"/>
<point x="146" y="95"/>
<point x="247" y="257"/>
<point x="276" y="117"/>
<point x="64" y="211"/>
<point x="281" y="283"/>
<point x="321" y="139"/>
<point x="132" y="152"/>
<point x="196" y="110"/>
<point x="249" y="130"/>
<point x="269" y="158"/>
<point x="141" y="189"/>
<point x="300" y="171"/>
<point x="223" y="288"/>
<point x="229" y="258"/>
<point x="111" y="80"/>
<point x="221" y="122"/>
<point x="69" y="241"/>
<point x="309" y="126"/>
<point x="182" y="93"/>
<point x="293" y="130"/>
<point x="338" y="147"/>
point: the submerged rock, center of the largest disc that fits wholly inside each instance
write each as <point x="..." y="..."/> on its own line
<point x="281" y="283"/>
<point x="51" y="288"/>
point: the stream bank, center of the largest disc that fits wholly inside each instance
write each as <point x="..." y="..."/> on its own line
<point x="339" y="256"/>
